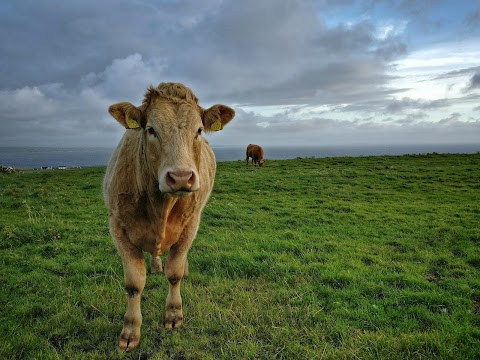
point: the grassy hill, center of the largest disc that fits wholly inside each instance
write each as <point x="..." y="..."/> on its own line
<point x="335" y="258"/>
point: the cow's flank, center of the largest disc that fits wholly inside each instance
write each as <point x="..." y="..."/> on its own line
<point x="255" y="152"/>
<point x="156" y="186"/>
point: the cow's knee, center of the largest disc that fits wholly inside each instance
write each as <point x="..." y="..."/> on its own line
<point x="174" y="279"/>
<point x="132" y="291"/>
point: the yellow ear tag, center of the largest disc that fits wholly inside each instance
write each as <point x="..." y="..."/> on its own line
<point x="216" y="126"/>
<point x="132" y="124"/>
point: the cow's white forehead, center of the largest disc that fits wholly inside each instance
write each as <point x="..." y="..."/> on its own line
<point x="166" y="113"/>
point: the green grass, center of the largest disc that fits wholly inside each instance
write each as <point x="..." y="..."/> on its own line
<point x="336" y="258"/>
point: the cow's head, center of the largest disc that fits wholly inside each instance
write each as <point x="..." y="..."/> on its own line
<point x="261" y="162"/>
<point x="172" y="126"/>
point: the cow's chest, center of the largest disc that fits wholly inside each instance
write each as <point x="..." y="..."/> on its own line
<point x="146" y="225"/>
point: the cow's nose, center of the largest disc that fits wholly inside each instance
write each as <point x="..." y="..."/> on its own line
<point x="180" y="180"/>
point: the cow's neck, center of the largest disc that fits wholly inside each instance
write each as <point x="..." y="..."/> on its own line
<point x="135" y="179"/>
<point x="162" y="243"/>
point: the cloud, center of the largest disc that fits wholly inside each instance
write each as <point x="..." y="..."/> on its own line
<point x="288" y="56"/>
<point x="473" y="19"/>
<point x="405" y="104"/>
<point x="67" y="42"/>
<point x="458" y="73"/>
<point x="54" y="111"/>
<point x="399" y="106"/>
<point x="26" y="103"/>
<point x="474" y="82"/>
<point x="414" y="128"/>
<point x="125" y="78"/>
<point x="229" y="46"/>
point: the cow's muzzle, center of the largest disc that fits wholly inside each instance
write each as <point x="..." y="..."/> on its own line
<point x="181" y="180"/>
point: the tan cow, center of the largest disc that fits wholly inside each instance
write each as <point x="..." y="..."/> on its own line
<point x="156" y="185"/>
<point x="256" y="153"/>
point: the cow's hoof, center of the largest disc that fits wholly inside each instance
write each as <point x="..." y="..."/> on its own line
<point x="128" y="339"/>
<point x="173" y="319"/>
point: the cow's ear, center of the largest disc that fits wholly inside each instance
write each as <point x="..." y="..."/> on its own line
<point x="127" y="114"/>
<point x="216" y="117"/>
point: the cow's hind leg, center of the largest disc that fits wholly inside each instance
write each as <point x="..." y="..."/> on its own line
<point x="156" y="264"/>
<point x="135" y="275"/>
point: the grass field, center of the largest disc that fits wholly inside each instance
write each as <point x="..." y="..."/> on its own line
<point x="335" y="258"/>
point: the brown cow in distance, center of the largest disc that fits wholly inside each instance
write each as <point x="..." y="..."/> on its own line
<point x="156" y="185"/>
<point x="256" y="153"/>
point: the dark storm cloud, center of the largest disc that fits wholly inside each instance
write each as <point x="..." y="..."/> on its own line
<point x="338" y="82"/>
<point x="297" y="59"/>
<point x="406" y="104"/>
<point x="457" y="73"/>
<point x="230" y="46"/>
<point x="51" y="41"/>
<point x="393" y="106"/>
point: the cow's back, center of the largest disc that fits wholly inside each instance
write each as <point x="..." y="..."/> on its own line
<point x="255" y="151"/>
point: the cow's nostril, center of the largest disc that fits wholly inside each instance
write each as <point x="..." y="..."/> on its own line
<point x="170" y="180"/>
<point x="191" y="180"/>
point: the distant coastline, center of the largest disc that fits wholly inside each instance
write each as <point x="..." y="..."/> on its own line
<point x="49" y="157"/>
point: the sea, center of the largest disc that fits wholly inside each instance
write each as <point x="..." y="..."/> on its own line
<point x="53" y="157"/>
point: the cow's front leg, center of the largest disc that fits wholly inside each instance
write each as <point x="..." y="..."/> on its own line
<point x="135" y="275"/>
<point x="174" y="271"/>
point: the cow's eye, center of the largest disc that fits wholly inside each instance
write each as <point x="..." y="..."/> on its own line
<point x="199" y="132"/>
<point x="151" y="131"/>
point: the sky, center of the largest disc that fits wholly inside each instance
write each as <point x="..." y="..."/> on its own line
<point x="325" y="72"/>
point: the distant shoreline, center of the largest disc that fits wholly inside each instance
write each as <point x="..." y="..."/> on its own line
<point x="50" y="157"/>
